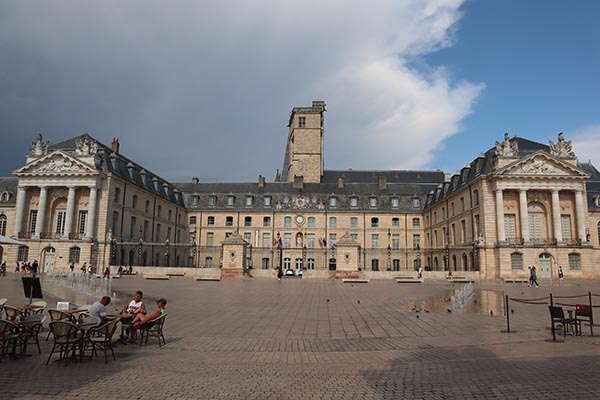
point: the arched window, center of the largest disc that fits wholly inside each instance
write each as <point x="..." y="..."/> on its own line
<point x="74" y="253"/>
<point x="516" y="261"/>
<point x="454" y="263"/>
<point x="574" y="261"/>
<point x="134" y="201"/>
<point x="374" y="222"/>
<point x="476" y="197"/>
<point x="416" y="222"/>
<point x="208" y="262"/>
<point x="465" y="262"/>
<point x="193" y="220"/>
<point x="436" y="264"/>
<point x="131" y="257"/>
<point x="1" y="253"/>
<point x="3" y="223"/>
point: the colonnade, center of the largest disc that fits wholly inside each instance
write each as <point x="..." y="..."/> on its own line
<point x="42" y="217"/>
<point x="524" y="217"/>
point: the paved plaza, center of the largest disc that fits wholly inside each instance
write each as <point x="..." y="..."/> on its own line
<point x="323" y="339"/>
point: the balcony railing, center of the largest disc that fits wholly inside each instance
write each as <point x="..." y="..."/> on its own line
<point x="24" y="235"/>
<point x="50" y="235"/>
<point x="75" y="236"/>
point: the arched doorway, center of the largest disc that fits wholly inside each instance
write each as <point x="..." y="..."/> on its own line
<point x="454" y="266"/>
<point x="49" y="255"/>
<point x="465" y="262"/>
<point x="1" y="254"/>
<point x="435" y="264"/>
<point x="545" y="260"/>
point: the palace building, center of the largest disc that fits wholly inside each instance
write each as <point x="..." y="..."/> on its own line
<point x="518" y="204"/>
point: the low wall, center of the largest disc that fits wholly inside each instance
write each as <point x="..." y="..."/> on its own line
<point x="161" y="271"/>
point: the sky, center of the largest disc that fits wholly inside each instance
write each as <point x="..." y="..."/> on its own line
<point x="205" y="88"/>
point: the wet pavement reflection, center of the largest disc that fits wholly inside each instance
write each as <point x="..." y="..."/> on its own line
<point x="482" y="302"/>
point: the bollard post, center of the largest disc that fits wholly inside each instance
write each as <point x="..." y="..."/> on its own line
<point x="552" y="318"/>
<point x="591" y="310"/>
<point x="507" y="312"/>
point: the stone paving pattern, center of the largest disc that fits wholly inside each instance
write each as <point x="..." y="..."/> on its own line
<point x="269" y="339"/>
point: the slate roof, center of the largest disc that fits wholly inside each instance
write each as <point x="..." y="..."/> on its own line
<point x="592" y="185"/>
<point x="9" y="184"/>
<point x="121" y="166"/>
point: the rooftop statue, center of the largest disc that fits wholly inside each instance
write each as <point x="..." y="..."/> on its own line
<point x="39" y="148"/>
<point x="563" y="148"/>
<point x="85" y="146"/>
<point x="506" y="148"/>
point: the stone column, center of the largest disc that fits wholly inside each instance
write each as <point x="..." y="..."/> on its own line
<point x="500" y="215"/>
<point x="41" y="216"/>
<point x="580" y="215"/>
<point x="21" y="196"/>
<point x="91" y="222"/>
<point x="70" y="212"/>
<point x="524" y="215"/>
<point x="556" y="216"/>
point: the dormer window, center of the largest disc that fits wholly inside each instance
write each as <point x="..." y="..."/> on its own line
<point x="249" y="201"/>
<point x="212" y="201"/>
<point x="416" y="202"/>
<point x="195" y="200"/>
<point x="230" y="200"/>
<point x="353" y="202"/>
<point x="395" y="202"/>
<point x="267" y="201"/>
<point x="301" y="122"/>
<point x="373" y="202"/>
<point x="333" y="202"/>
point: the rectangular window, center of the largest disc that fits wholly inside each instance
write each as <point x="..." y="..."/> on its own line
<point x="74" y="254"/>
<point x="395" y="202"/>
<point x="354" y="236"/>
<point x="516" y="261"/>
<point x="416" y="202"/>
<point x="332" y="222"/>
<point x="333" y="202"/>
<point x="132" y="227"/>
<point x="287" y="222"/>
<point x="115" y="222"/>
<point x="266" y="222"/>
<point x="416" y="241"/>
<point x="374" y="222"/>
<point x="395" y="241"/>
<point x="32" y="220"/>
<point x="158" y="211"/>
<point x="249" y="200"/>
<point x="195" y="200"/>
<point x="354" y="222"/>
<point x="210" y="239"/>
<point x="169" y="233"/>
<point x="147" y="206"/>
<point x="510" y="231"/>
<point x="463" y="231"/>
<point x="416" y="223"/>
<point x="477" y="226"/>
<point x="287" y="240"/>
<point x="212" y="201"/>
<point x="193" y="220"/>
<point x="265" y="263"/>
<point x="267" y="201"/>
<point x="23" y="254"/>
<point x="311" y="222"/>
<point x="332" y="239"/>
<point x="536" y="226"/>
<point x="301" y="122"/>
<point x="247" y="221"/>
<point x="230" y="201"/>
<point x="158" y="238"/>
<point x="81" y="224"/>
<point x="266" y="240"/>
<point x="210" y="221"/>
<point x="396" y="265"/>
<point x="454" y="239"/>
<point x="60" y="222"/>
<point x="310" y="241"/>
<point x="395" y="222"/>
<point x="229" y="222"/>
<point x="353" y="202"/>
<point x="248" y="237"/>
<point x="374" y="240"/>
<point x="574" y="261"/>
<point x="373" y="202"/>
<point x="146" y="225"/>
<point x="565" y="223"/>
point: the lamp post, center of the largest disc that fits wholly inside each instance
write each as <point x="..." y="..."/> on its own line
<point x="167" y="251"/>
<point x="113" y="250"/>
<point x="140" y="250"/>
<point x="417" y="257"/>
<point x="388" y="266"/>
<point x="476" y="255"/>
<point x="304" y="257"/>
<point x="280" y="250"/>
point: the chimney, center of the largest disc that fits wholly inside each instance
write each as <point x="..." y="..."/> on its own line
<point x="261" y="181"/>
<point x="115" y="145"/>
<point x="382" y="183"/>
<point x="195" y="179"/>
<point x="340" y="183"/>
<point x="298" y="182"/>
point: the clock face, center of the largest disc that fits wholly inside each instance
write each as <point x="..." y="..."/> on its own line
<point x="299" y="219"/>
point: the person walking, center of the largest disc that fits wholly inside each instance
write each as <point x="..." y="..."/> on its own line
<point x="534" y="277"/>
<point x="561" y="275"/>
<point x="34" y="268"/>
<point x="279" y="273"/>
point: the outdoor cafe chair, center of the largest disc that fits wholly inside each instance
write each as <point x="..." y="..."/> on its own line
<point x="153" y="328"/>
<point x="67" y="339"/>
<point x="12" y="313"/>
<point x="557" y="315"/>
<point x="2" y="303"/>
<point x="9" y="334"/>
<point x="57" y="315"/>
<point x="32" y="326"/>
<point x="41" y="304"/>
<point x="100" y="338"/>
<point x="584" y="313"/>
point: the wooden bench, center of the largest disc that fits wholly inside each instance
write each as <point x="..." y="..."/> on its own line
<point x="408" y="279"/>
<point x="355" y="280"/>
<point x="175" y="274"/>
<point x="460" y="279"/>
<point x="215" y="279"/>
<point x="157" y="277"/>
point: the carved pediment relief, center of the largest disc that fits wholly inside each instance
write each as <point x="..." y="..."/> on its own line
<point x="56" y="163"/>
<point x="540" y="164"/>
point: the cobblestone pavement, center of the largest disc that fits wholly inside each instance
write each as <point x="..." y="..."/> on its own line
<point x="310" y="339"/>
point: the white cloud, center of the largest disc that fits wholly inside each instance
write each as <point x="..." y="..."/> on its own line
<point x="200" y="77"/>
<point x="586" y="144"/>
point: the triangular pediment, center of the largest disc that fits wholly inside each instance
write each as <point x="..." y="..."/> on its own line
<point x="541" y="164"/>
<point x="56" y="163"/>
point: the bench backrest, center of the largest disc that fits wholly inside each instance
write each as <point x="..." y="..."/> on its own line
<point x="557" y="312"/>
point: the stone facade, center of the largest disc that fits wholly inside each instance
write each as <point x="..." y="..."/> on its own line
<point x="519" y="204"/>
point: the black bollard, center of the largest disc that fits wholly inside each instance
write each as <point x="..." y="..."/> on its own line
<point x="506" y="308"/>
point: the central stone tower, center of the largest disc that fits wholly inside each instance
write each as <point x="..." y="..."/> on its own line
<point x="304" y="149"/>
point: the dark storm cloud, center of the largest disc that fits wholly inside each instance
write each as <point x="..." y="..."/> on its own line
<point x="205" y="88"/>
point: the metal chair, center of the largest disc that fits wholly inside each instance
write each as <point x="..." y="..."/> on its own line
<point x="32" y="326"/>
<point x="557" y="316"/>
<point x="154" y="328"/>
<point x="584" y="313"/>
<point x="57" y="315"/>
<point x="12" y="313"/>
<point x="10" y="333"/>
<point x="67" y="339"/>
<point x="41" y="304"/>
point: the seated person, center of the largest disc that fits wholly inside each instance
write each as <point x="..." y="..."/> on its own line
<point x="98" y="310"/>
<point x="134" y="307"/>
<point x="141" y="319"/>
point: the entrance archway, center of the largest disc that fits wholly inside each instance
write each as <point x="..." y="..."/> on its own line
<point x="49" y="255"/>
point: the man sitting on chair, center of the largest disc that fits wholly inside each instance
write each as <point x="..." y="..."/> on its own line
<point x="98" y="310"/>
<point x="141" y="319"/>
<point x="134" y="307"/>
